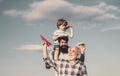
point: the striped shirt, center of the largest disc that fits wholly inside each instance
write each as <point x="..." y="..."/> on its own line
<point x="64" y="68"/>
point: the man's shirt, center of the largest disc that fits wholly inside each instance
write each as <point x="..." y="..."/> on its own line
<point x="64" y="68"/>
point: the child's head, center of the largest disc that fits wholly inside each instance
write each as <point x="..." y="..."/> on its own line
<point x="61" y="23"/>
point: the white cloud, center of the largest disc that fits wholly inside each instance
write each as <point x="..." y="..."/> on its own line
<point x="103" y="5"/>
<point x="29" y="47"/>
<point x="52" y="9"/>
<point x="46" y="9"/>
<point x="105" y="17"/>
<point x="12" y="13"/>
<point x="111" y="7"/>
<point x="111" y="28"/>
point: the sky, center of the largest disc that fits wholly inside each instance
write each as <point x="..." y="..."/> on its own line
<point x="95" y="22"/>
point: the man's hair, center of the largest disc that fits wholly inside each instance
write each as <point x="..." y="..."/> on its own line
<point x="61" y="21"/>
<point x="63" y="38"/>
<point x="78" y="52"/>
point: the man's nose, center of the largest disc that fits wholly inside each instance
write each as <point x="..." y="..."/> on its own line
<point x="64" y="43"/>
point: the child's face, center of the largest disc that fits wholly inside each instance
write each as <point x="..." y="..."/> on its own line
<point x="62" y="27"/>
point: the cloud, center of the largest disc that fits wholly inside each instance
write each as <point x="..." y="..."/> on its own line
<point x="103" y="5"/>
<point x="53" y="9"/>
<point x="111" y="7"/>
<point x="47" y="9"/>
<point x="12" y="13"/>
<point x="111" y="28"/>
<point x="105" y="17"/>
<point x="29" y="47"/>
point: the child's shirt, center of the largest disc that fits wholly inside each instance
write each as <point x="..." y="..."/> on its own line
<point x="60" y="32"/>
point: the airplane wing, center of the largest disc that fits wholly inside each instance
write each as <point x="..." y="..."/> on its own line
<point x="44" y="39"/>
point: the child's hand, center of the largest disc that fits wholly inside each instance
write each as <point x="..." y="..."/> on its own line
<point x="70" y="26"/>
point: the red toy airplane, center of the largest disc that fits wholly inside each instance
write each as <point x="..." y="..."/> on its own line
<point x="44" y="39"/>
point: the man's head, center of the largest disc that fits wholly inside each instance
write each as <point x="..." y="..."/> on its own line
<point x="74" y="52"/>
<point x="63" y="44"/>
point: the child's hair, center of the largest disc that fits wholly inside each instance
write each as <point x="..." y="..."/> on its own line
<point x="61" y="21"/>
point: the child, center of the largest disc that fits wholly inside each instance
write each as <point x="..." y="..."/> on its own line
<point x="61" y="31"/>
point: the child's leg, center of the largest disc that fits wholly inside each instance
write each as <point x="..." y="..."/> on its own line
<point x="56" y="52"/>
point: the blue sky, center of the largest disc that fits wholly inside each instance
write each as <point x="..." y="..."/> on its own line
<point x="95" y="22"/>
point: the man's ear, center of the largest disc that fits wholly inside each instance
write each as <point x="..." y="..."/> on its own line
<point x="78" y="51"/>
<point x="69" y="49"/>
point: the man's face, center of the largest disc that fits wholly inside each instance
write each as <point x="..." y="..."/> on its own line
<point x="73" y="52"/>
<point x="63" y="46"/>
<point x="63" y="43"/>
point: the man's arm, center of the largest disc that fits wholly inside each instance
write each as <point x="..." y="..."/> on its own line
<point x="82" y="57"/>
<point x="48" y="62"/>
<point x="45" y="53"/>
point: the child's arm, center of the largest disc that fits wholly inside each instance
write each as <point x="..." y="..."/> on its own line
<point x="55" y="37"/>
<point x="71" y="31"/>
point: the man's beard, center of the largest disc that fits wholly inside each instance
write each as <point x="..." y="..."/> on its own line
<point x="64" y="49"/>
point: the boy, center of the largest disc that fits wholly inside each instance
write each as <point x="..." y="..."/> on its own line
<point x="61" y="31"/>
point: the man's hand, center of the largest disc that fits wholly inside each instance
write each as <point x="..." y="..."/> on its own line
<point x="45" y="53"/>
<point x="82" y="48"/>
<point x="44" y="45"/>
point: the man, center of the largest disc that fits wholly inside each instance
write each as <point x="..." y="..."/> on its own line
<point x="70" y="67"/>
<point x="63" y="50"/>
